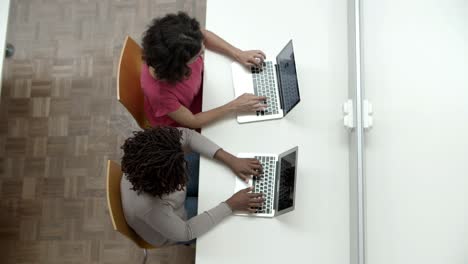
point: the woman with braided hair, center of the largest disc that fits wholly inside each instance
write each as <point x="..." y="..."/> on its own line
<point x="159" y="189"/>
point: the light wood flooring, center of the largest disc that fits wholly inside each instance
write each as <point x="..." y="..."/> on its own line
<point x="59" y="123"/>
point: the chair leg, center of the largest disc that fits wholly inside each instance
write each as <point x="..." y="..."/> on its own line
<point x="145" y="254"/>
<point x="9" y="50"/>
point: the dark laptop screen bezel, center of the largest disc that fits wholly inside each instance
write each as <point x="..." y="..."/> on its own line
<point x="278" y="178"/>
<point x="280" y="85"/>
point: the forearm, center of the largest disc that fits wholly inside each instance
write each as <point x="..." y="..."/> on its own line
<point x="194" y="141"/>
<point x="186" y="118"/>
<point x="205" y="221"/>
<point x="204" y="118"/>
<point x="175" y="228"/>
<point x="225" y="157"/>
<point x="217" y="44"/>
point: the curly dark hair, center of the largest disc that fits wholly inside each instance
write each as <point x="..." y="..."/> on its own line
<point x="154" y="161"/>
<point x="169" y="43"/>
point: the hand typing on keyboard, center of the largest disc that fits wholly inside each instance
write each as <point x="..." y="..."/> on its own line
<point x="245" y="168"/>
<point x="244" y="200"/>
<point x="265" y="184"/>
<point x="250" y="58"/>
<point x="263" y="80"/>
<point x="247" y="103"/>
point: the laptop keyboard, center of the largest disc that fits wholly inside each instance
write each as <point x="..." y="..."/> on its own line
<point x="264" y="85"/>
<point x="266" y="183"/>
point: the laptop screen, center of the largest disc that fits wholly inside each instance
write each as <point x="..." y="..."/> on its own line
<point x="289" y="88"/>
<point x="287" y="181"/>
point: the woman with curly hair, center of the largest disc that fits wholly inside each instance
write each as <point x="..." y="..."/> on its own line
<point x="159" y="191"/>
<point x="172" y="73"/>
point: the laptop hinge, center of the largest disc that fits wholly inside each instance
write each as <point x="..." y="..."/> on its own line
<point x="276" y="192"/>
<point x="280" y="87"/>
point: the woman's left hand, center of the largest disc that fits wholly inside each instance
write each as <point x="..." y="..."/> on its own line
<point x="245" y="168"/>
<point x="250" y="58"/>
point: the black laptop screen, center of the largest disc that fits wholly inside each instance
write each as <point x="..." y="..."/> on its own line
<point x="289" y="88"/>
<point x="286" y="181"/>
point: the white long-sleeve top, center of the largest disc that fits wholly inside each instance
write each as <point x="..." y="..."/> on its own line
<point x="163" y="221"/>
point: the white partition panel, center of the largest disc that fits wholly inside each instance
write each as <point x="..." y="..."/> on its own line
<point x="416" y="76"/>
<point x="356" y="138"/>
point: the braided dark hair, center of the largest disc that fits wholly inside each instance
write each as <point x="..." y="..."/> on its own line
<point x="154" y="161"/>
<point x="169" y="43"/>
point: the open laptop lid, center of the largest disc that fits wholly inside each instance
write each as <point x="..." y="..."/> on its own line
<point x="285" y="194"/>
<point x="287" y="78"/>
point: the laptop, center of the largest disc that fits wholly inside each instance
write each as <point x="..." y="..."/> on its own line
<point x="278" y="82"/>
<point x="277" y="183"/>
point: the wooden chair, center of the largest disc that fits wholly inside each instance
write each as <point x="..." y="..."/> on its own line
<point x="114" y="202"/>
<point x="129" y="91"/>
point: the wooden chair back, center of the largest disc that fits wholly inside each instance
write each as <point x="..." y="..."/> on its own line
<point x="114" y="202"/>
<point x="129" y="91"/>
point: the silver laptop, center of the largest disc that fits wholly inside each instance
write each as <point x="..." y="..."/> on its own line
<point x="277" y="182"/>
<point x="278" y="82"/>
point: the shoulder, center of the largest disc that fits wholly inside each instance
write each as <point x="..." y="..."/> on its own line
<point x="198" y="63"/>
<point x="167" y="203"/>
<point x="151" y="85"/>
<point x="186" y="135"/>
<point x="147" y="81"/>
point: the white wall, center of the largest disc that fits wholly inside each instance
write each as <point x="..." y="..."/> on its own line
<point x="416" y="76"/>
<point x="4" y="10"/>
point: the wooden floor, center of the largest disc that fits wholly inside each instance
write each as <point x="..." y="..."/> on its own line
<point x="59" y="123"/>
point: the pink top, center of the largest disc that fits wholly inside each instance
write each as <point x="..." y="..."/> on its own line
<point x="162" y="98"/>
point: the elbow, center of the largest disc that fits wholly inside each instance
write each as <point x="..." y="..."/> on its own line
<point x="183" y="235"/>
<point x="205" y="33"/>
<point x="189" y="120"/>
<point x="185" y="239"/>
<point x="181" y="238"/>
<point x="192" y="123"/>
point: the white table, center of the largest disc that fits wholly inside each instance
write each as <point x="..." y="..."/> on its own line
<point x="318" y="230"/>
<point x="4" y="10"/>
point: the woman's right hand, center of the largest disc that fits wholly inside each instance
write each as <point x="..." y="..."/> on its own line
<point x="243" y="200"/>
<point x="248" y="103"/>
